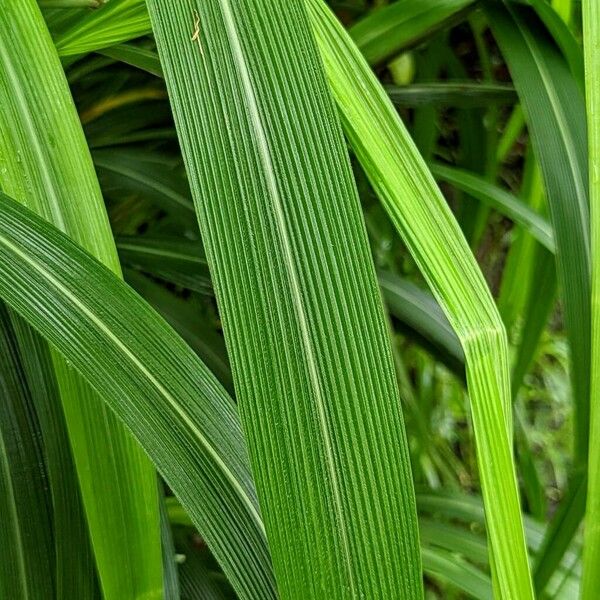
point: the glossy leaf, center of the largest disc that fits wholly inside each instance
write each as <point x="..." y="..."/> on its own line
<point x="45" y="164"/>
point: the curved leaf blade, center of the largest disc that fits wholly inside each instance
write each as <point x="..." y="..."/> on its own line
<point x="150" y="378"/>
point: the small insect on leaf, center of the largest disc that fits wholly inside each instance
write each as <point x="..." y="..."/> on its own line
<point x="196" y="34"/>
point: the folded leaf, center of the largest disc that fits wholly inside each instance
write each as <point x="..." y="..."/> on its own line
<point x="421" y="215"/>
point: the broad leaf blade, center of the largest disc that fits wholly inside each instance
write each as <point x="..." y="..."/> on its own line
<point x="301" y="311"/>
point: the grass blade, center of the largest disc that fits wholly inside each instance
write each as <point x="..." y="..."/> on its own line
<point x="402" y="24"/>
<point x="142" y="58"/>
<point x="555" y="114"/>
<point x="78" y="32"/>
<point x="570" y="47"/>
<point x="150" y="378"/>
<point x="465" y="577"/>
<point x="451" y="93"/>
<point x="26" y="530"/>
<point x="143" y="173"/>
<point x="559" y="533"/>
<point x="179" y="261"/>
<point x="46" y="164"/>
<point x="172" y="588"/>
<point x="74" y="568"/>
<point x="418" y="309"/>
<point x="591" y="553"/>
<point x="556" y="117"/>
<point x="421" y="215"/>
<point x="502" y="201"/>
<point x="186" y="319"/>
<point x="328" y="472"/>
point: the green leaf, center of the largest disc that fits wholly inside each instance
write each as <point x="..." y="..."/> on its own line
<point x="420" y="213"/>
<point x="560" y="531"/>
<point x="181" y="262"/>
<point x="26" y="529"/>
<point x="142" y="58"/>
<point x="566" y="41"/>
<point x="144" y="173"/>
<point x="187" y="320"/>
<point x="418" y="309"/>
<point x="172" y="590"/>
<point x="74" y="568"/>
<point x="47" y="166"/>
<point x="402" y="24"/>
<point x="591" y="554"/>
<point x="464" y="94"/>
<point x="468" y="510"/>
<point x="519" y="268"/>
<point x="556" y="118"/>
<point x="502" y="201"/>
<point x="78" y="32"/>
<point x="150" y="378"/>
<point x="555" y="114"/>
<point x="198" y="580"/>
<point x="297" y="293"/>
<point x="540" y="302"/>
<point x="466" y="577"/>
<point x="173" y="259"/>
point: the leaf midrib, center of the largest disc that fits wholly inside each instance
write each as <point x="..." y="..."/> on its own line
<point x="271" y="182"/>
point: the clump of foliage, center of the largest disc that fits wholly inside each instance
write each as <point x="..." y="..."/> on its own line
<point x="298" y="299"/>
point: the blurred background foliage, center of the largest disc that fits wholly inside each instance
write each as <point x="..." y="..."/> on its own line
<point x="452" y="86"/>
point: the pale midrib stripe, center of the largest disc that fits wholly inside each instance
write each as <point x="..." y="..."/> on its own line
<point x="565" y="134"/>
<point x="271" y="182"/>
<point x="34" y="141"/>
<point x="159" y="387"/>
<point x="15" y="519"/>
